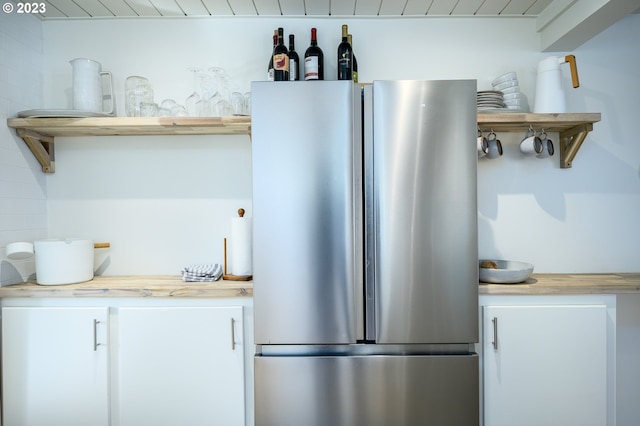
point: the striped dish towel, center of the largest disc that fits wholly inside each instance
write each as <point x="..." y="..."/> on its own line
<point x="198" y="273"/>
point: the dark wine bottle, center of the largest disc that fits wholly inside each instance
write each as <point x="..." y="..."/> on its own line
<point x="294" y="60"/>
<point x="270" y="69"/>
<point x="345" y="57"/>
<point x="314" y="59"/>
<point x="355" y="61"/>
<point x="280" y="59"/>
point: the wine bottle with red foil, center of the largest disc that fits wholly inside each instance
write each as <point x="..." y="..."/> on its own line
<point x="345" y="57"/>
<point x="280" y="59"/>
<point x="354" y="71"/>
<point x="314" y="59"/>
<point x="294" y="60"/>
<point x="270" y="69"/>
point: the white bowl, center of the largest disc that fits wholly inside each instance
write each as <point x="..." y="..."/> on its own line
<point x="518" y="108"/>
<point x="509" y="90"/>
<point x="508" y="272"/>
<point x="506" y="84"/>
<point x="514" y="102"/>
<point x="513" y="96"/>
<point x="505" y="77"/>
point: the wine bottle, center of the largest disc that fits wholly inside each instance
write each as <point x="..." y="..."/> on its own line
<point x="345" y="57"/>
<point x="280" y="59"/>
<point x="355" y="61"/>
<point x="314" y="59"/>
<point x="294" y="60"/>
<point x="270" y="69"/>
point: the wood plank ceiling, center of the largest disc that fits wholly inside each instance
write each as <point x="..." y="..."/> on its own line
<point x="270" y="8"/>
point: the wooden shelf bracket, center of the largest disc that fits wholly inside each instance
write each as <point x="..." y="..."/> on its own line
<point x="571" y="141"/>
<point x="42" y="148"/>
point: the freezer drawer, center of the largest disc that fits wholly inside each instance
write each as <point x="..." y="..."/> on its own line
<point x="367" y="390"/>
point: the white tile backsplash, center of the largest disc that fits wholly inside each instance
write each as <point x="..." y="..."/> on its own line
<point x="23" y="194"/>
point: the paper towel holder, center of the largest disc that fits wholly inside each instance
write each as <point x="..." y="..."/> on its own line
<point x="231" y="277"/>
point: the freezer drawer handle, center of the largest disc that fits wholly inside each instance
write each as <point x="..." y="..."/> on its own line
<point x="95" y="335"/>
<point x="233" y="334"/>
<point x="495" y="333"/>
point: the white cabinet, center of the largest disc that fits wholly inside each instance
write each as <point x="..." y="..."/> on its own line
<point x="55" y="366"/>
<point x="180" y="366"/>
<point x="126" y="362"/>
<point x="545" y="365"/>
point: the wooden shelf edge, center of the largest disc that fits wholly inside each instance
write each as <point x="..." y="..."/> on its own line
<point x="501" y="122"/>
<point x="135" y="126"/>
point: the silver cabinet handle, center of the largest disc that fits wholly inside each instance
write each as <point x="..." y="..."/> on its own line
<point x="495" y="333"/>
<point x="233" y="334"/>
<point x="95" y="335"/>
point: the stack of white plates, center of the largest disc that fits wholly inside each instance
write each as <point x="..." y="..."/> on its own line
<point x="508" y="84"/>
<point x="490" y="100"/>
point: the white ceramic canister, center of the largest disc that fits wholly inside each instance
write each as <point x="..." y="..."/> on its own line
<point x="57" y="261"/>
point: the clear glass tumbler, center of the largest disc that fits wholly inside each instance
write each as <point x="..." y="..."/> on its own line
<point x="138" y="90"/>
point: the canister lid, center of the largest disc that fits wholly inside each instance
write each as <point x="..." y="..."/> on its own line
<point x="19" y="251"/>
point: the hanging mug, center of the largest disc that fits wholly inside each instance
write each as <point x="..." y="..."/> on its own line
<point x="88" y="90"/>
<point x="547" y="149"/>
<point x="495" y="146"/>
<point x="482" y="145"/>
<point x="531" y="144"/>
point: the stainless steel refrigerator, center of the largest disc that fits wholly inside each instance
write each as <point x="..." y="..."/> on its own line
<point x="365" y="253"/>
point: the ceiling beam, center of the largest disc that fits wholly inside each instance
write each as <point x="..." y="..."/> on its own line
<point x="566" y="24"/>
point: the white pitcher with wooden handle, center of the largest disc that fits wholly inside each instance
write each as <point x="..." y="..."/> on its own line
<point x="550" y="96"/>
<point x="88" y="90"/>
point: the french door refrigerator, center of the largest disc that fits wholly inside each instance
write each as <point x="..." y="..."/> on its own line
<point x="365" y="253"/>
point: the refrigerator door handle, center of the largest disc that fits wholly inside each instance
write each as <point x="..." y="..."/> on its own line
<point x="495" y="333"/>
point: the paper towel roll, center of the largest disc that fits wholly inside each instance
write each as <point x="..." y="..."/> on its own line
<point x="241" y="246"/>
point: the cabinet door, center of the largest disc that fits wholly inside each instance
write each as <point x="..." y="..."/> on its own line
<point x="180" y="366"/>
<point x="54" y="366"/>
<point x="545" y="365"/>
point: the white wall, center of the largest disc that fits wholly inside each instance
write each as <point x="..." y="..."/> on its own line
<point x="23" y="208"/>
<point x="165" y="202"/>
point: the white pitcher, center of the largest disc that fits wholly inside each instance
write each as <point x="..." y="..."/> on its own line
<point x="88" y="92"/>
<point x="550" y="96"/>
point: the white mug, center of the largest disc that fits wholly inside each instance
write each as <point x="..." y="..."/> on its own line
<point x="495" y="146"/>
<point x="531" y="144"/>
<point x="483" y="146"/>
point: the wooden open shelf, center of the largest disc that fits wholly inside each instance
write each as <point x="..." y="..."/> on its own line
<point x="39" y="133"/>
<point x="572" y="128"/>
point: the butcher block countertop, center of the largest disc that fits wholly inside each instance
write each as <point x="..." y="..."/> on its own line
<point x="568" y="284"/>
<point x="133" y="286"/>
<point x="173" y="286"/>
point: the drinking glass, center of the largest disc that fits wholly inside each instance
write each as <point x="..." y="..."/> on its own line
<point x="148" y="109"/>
<point x="238" y="103"/>
<point x="137" y="90"/>
<point x="247" y="103"/>
<point x="192" y="101"/>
